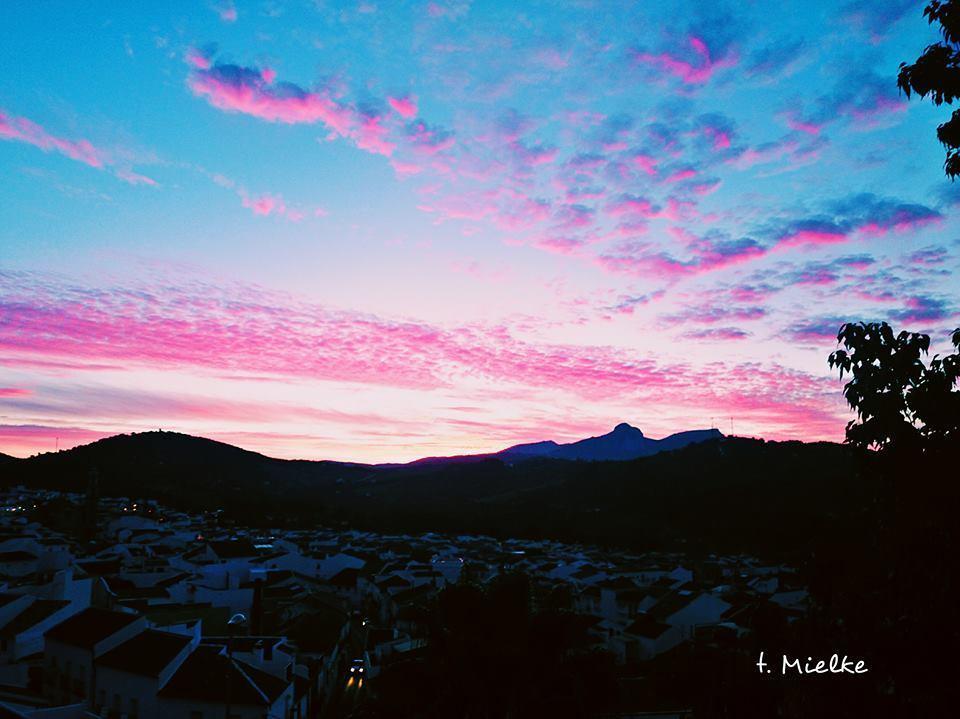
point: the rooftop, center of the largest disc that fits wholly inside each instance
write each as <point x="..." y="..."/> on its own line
<point x="89" y="627"/>
<point x="147" y="654"/>
<point x="207" y="674"/>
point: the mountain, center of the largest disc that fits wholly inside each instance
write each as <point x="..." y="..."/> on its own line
<point x="727" y="494"/>
<point x="6" y="458"/>
<point x="623" y="443"/>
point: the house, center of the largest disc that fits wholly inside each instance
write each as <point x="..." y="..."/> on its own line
<point x="72" y="647"/>
<point x="130" y="676"/>
<point x="23" y="635"/>
<point x="688" y="609"/>
<point x="646" y="637"/>
<point x="209" y="684"/>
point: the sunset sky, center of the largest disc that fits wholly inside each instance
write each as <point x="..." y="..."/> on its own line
<point x="382" y="230"/>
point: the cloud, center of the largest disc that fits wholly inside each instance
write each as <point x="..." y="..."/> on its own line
<point x="877" y="18"/>
<point x="22" y="129"/>
<point x="706" y="253"/>
<point x="255" y="92"/>
<point x="774" y="59"/>
<point x="7" y="392"/>
<point x="819" y="330"/>
<point x="722" y="334"/>
<point x="265" y="204"/>
<point x="873" y="215"/>
<point x="928" y="256"/>
<point x="227" y="11"/>
<point x="219" y="331"/>
<point x="860" y="96"/>
<point x="692" y="63"/>
<point x="405" y="106"/>
<point x="923" y="309"/>
<point x="865" y="214"/>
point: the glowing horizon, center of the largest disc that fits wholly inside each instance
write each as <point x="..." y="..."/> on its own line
<point x="377" y="232"/>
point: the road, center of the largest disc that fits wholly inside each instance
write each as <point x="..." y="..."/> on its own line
<point x="350" y="690"/>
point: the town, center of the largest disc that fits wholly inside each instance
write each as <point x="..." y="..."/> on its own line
<point x="120" y="607"/>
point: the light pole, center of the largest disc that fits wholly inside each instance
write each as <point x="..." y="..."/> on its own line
<point x="235" y="622"/>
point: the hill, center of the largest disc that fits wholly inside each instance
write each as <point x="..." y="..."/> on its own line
<point x="185" y="471"/>
<point x="727" y="494"/>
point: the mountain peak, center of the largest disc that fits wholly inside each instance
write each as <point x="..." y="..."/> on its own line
<point x="624" y="428"/>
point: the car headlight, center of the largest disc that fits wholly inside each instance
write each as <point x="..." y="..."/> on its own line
<point x="353" y="669"/>
<point x="361" y="670"/>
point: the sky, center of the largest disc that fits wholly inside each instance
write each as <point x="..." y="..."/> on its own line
<point x="377" y="231"/>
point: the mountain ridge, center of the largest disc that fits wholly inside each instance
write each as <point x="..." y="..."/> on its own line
<point x="623" y="442"/>
<point x="761" y="497"/>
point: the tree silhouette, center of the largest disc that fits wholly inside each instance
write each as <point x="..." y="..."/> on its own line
<point x="902" y="404"/>
<point x="937" y="73"/>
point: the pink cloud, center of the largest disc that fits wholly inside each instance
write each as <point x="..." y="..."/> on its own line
<point x="682" y="174"/>
<point x="198" y="59"/>
<point x="794" y="122"/>
<point x="265" y="205"/>
<point x="14" y="392"/>
<point x="370" y="135"/>
<point x="21" y="129"/>
<point x="406" y="169"/>
<point x="223" y="330"/>
<point x="135" y="178"/>
<point x="816" y="276"/>
<point x="406" y="106"/>
<point x="227" y="12"/>
<point x="238" y="89"/>
<point x="645" y="163"/>
<point x="560" y="245"/>
<point x="633" y="206"/>
<point x="812" y="237"/>
<point x="723" y="334"/>
<point x="695" y="72"/>
<point x="24" y="130"/>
